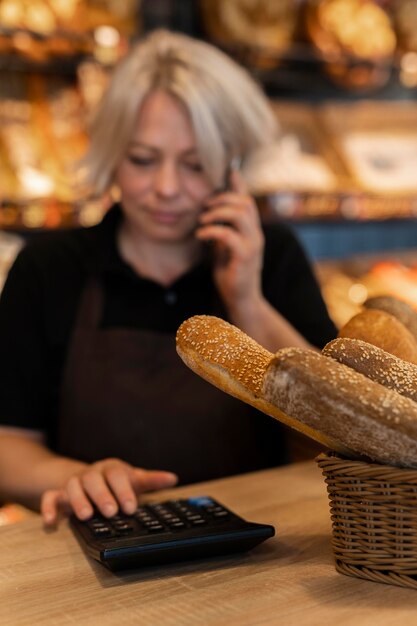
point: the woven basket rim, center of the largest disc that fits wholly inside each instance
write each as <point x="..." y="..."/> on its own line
<point x="329" y="461"/>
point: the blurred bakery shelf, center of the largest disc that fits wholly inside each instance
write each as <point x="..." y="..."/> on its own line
<point x="344" y="184"/>
<point x="343" y="175"/>
<point x="317" y="49"/>
<point x="347" y="283"/>
<point x="55" y="58"/>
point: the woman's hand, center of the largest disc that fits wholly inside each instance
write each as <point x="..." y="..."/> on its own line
<point x="108" y="485"/>
<point x="232" y="223"/>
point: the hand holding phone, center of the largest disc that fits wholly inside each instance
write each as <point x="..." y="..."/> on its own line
<point x="231" y="222"/>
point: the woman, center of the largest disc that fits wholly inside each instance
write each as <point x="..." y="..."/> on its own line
<point x="94" y="400"/>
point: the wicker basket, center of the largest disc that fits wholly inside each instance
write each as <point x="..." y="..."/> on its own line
<point x="374" y="516"/>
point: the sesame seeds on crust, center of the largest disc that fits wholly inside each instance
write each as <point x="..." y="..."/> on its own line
<point x="221" y="343"/>
<point x="375" y="363"/>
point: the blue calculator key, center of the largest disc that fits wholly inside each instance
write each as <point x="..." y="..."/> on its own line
<point x="201" y="501"/>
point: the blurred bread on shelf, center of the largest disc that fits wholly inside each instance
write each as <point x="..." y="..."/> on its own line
<point x="383" y="161"/>
<point x="267" y="28"/>
<point x="356" y="39"/>
<point x="41" y="31"/>
<point x="349" y="285"/>
<point x="377" y="143"/>
<point x="285" y="165"/>
<point x="405" y="20"/>
<point x="302" y="160"/>
<point x="348" y="160"/>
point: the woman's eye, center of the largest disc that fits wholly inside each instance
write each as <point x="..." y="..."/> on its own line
<point x="194" y="167"/>
<point x="140" y="161"/>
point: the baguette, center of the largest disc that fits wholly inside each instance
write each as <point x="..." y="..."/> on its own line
<point x="318" y="396"/>
<point x="230" y="360"/>
<point x="376" y="364"/>
<point x="366" y="417"/>
<point x="383" y="330"/>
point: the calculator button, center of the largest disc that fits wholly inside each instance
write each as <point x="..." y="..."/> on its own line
<point x="175" y="525"/>
<point x="145" y="519"/>
<point x="221" y="514"/>
<point x="97" y="525"/>
<point x="158" y="508"/>
<point x="199" y="522"/>
<point x="168" y="518"/>
<point x="102" y="532"/>
<point x="123" y="526"/>
<point x="153" y="522"/>
<point x="156" y="529"/>
<point x="200" y="501"/>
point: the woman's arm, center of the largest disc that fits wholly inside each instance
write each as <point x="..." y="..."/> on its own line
<point x="34" y="476"/>
<point x="28" y="468"/>
<point x="258" y="319"/>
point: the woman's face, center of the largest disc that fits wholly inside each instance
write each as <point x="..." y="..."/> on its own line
<point x="161" y="180"/>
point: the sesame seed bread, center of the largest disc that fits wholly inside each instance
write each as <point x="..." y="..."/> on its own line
<point x="376" y="364"/>
<point x="230" y="360"/>
<point x="309" y="391"/>
<point x="334" y="399"/>
<point x="383" y="330"/>
<point x="398" y="308"/>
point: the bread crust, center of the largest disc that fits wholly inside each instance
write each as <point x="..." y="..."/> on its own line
<point x="398" y="308"/>
<point x="311" y="392"/>
<point x="345" y="405"/>
<point x="383" y="330"/>
<point x="233" y="362"/>
<point x="376" y="364"/>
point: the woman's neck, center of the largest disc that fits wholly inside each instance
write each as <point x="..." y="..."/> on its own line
<point x="163" y="262"/>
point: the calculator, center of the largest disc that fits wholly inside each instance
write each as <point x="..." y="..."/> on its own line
<point x="167" y="532"/>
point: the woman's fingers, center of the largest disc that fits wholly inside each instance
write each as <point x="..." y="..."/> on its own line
<point x="94" y="485"/>
<point x="149" y="480"/>
<point x="119" y="481"/>
<point x="238" y="201"/>
<point x="106" y="486"/>
<point x="54" y="503"/>
<point x="50" y="504"/>
<point x="234" y="218"/>
<point x="221" y="234"/>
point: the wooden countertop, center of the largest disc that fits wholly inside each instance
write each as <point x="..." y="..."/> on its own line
<point x="46" y="579"/>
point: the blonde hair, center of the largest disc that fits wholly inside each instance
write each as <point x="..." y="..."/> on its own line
<point x="229" y="113"/>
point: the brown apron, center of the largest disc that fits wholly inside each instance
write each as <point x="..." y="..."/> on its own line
<point x="127" y="394"/>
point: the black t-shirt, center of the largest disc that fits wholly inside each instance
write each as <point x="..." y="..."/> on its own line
<point x="39" y="302"/>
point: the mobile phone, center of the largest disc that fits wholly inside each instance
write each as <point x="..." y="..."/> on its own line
<point x="234" y="164"/>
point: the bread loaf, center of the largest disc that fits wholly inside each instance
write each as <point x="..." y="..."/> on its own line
<point x="397" y="308"/>
<point x="376" y="364"/>
<point x="330" y="397"/>
<point x="327" y="400"/>
<point x="229" y="359"/>
<point x="383" y="330"/>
